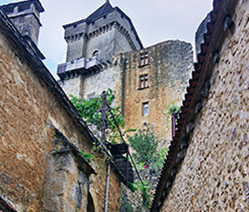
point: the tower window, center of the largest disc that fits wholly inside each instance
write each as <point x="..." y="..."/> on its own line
<point x="144" y="81"/>
<point x="145" y="108"/>
<point x="144" y="58"/>
<point x="96" y="53"/>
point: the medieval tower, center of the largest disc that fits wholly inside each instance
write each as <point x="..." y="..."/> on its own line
<point x="104" y="51"/>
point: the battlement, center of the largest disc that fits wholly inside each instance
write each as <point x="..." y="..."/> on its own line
<point x="108" y="30"/>
<point x="81" y="66"/>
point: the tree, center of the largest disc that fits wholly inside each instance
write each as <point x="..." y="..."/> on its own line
<point x="145" y="145"/>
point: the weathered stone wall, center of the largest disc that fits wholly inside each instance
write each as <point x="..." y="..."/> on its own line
<point x="29" y="110"/>
<point x="28" y="25"/>
<point x="104" y="43"/>
<point x="95" y="84"/>
<point x="122" y="45"/>
<point x="72" y="86"/>
<point x="110" y="35"/>
<point x="170" y="64"/>
<point x="214" y="174"/>
<point x="25" y="17"/>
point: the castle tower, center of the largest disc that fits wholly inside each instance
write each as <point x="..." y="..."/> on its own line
<point x="25" y="16"/>
<point x="147" y="81"/>
<point x="92" y="42"/>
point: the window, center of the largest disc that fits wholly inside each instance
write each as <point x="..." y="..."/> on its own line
<point x="96" y="53"/>
<point x="144" y="58"/>
<point x="144" y="81"/>
<point x="145" y="108"/>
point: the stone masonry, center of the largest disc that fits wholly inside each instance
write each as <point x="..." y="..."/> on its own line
<point x="214" y="174"/>
<point x="168" y="71"/>
<point x="31" y="162"/>
<point x="166" y="66"/>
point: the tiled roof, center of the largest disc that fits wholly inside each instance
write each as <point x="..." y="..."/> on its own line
<point x="197" y="90"/>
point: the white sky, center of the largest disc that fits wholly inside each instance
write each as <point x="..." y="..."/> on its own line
<point x="154" y="20"/>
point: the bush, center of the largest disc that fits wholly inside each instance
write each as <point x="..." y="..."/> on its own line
<point x="145" y="145"/>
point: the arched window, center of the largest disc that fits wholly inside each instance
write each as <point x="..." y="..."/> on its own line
<point x="96" y="53"/>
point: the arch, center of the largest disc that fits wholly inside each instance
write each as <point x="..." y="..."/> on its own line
<point x="95" y="53"/>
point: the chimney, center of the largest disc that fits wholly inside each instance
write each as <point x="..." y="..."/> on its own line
<point x="25" y="15"/>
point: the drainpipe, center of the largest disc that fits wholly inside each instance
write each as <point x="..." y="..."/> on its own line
<point x="173" y="124"/>
<point x="107" y="186"/>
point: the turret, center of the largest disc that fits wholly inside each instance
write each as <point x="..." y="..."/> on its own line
<point x="25" y="15"/>
<point x="92" y="42"/>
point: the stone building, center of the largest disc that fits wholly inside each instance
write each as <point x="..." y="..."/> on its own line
<point x="42" y="136"/>
<point x="208" y="162"/>
<point x="104" y="51"/>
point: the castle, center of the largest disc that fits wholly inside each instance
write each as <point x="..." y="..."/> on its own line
<point x="42" y="136"/>
<point x="44" y="140"/>
<point x="104" y="51"/>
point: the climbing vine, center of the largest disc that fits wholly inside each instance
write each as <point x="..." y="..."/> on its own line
<point x="90" y="111"/>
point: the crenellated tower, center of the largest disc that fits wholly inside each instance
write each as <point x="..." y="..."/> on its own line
<point x="92" y="42"/>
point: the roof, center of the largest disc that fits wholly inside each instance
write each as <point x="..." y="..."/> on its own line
<point x="6" y="206"/>
<point x="37" y="3"/>
<point x="100" y="12"/>
<point x="105" y="9"/>
<point x="213" y="40"/>
<point x="41" y="71"/>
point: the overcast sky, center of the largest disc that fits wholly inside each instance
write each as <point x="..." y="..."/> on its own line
<point x="154" y="20"/>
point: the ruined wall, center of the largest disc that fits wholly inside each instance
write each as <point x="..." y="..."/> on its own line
<point x="170" y="64"/>
<point x="28" y="113"/>
<point x="214" y="174"/>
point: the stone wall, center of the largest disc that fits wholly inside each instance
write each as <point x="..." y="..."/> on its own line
<point x="104" y="43"/>
<point x="72" y="86"/>
<point x="29" y="112"/>
<point x="109" y="35"/>
<point x="95" y="84"/>
<point x="26" y="17"/>
<point x="170" y="64"/>
<point x="214" y="174"/>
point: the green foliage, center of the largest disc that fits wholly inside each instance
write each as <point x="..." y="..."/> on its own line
<point x="87" y="156"/>
<point x="90" y="111"/>
<point x="176" y="110"/>
<point x="145" y="145"/>
<point x="144" y="189"/>
<point x="127" y="207"/>
<point x="159" y="159"/>
<point x="173" y="109"/>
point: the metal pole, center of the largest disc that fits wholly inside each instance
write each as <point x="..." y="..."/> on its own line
<point x="103" y="117"/>
<point x="173" y="124"/>
<point x="107" y="187"/>
<point x="136" y="170"/>
<point x="127" y="164"/>
<point x="122" y="138"/>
